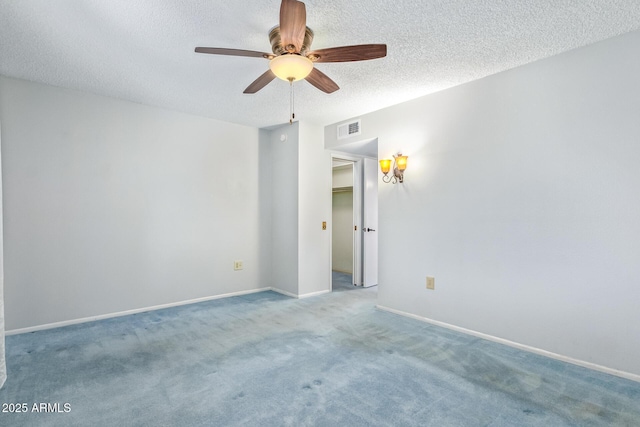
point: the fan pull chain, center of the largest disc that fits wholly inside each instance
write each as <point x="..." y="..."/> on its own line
<point x="292" y="115"/>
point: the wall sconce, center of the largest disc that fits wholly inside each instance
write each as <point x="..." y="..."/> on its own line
<point x="399" y="165"/>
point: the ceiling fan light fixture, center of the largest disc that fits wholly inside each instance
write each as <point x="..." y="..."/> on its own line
<point x="291" y="67"/>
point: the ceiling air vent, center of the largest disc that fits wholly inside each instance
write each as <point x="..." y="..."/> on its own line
<point x="349" y="129"/>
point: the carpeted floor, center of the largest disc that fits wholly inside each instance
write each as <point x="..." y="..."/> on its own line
<point x="268" y="360"/>
<point x="341" y="282"/>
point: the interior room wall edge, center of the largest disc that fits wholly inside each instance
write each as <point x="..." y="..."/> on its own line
<point x="130" y="312"/>
<point x="530" y="349"/>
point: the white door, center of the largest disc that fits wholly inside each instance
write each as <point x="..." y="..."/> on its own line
<point x="370" y="223"/>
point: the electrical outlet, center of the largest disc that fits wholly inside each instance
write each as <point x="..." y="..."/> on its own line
<point x="237" y="265"/>
<point x="431" y="283"/>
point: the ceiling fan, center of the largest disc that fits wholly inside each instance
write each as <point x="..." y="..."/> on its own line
<point x="292" y="58"/>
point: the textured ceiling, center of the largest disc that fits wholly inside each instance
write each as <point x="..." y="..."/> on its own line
<point x="143" y="50"/>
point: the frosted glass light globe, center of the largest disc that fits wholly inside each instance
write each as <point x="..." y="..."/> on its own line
<point x="291" y="67"/>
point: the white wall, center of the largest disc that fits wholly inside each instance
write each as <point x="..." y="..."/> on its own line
<point x="284" y="200"/>
<point x="265" y="204"/>
<point x="300" y="173"/>
<point x="314" y="191"/>
<point x="111" y="206"/>
<point x="521" y="198"/>
<point x="3" y="366"/>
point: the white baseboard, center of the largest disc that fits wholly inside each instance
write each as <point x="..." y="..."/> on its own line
<point x="314" y="294"/>
<point x="156" y="307"/>
<point x="128" y="312"/>
<point x="292" y="295"/>
<point x="285" y="293"/>
<point x="582" y="363"/>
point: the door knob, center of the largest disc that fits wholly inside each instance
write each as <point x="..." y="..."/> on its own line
<point x="369" y="229"/>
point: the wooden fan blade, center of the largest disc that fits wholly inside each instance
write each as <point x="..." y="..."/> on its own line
<point x="233" y="52"/>
<point x="293" y="24"/>
<point x="321" y="81"/>
<point x="361" y="52"/>
<point x="260" y="82"/>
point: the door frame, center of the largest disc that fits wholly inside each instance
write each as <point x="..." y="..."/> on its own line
<point x="358" y="188"/>
<point x="356" y="274"/>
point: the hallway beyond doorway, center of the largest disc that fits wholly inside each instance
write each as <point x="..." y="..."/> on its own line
<point x="341" y="282"/>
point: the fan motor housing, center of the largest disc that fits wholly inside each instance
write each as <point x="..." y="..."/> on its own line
<point x="276" y="41"/>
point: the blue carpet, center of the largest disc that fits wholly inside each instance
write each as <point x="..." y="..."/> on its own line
<point x="268" y="360"/>
<point x="341" y="282"/>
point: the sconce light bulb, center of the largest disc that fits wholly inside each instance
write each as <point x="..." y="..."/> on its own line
<point x="401" y="162"/>
<point x="385" y="166"/>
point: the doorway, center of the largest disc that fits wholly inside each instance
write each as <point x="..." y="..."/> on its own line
<point x="344" y="225"/>
<point x="354" y="257"/>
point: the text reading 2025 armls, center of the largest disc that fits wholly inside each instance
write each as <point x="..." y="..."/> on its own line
<point x="51" y="407"/>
